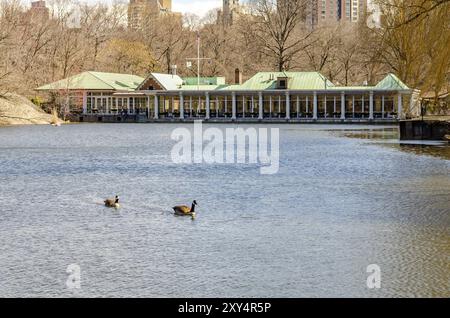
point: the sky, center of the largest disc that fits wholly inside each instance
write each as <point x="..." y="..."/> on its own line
<point x="198" y="7"/>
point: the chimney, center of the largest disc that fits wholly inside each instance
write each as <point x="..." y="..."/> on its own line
<point x="174" y="69"/>
<point x="237" y="77"/>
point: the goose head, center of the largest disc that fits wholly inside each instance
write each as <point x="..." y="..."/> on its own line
<point x="193" y="214"/>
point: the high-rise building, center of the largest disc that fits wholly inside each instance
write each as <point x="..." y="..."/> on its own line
<point x="312" y="14"/>
<point x="355" y="10"/>
<point x="229" y="12"/>
<point x="140" y="9"/>
<point x="39" y="8"/>
<point x="329" y="12"/>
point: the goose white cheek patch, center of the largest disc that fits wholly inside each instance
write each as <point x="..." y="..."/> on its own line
<point x="233" y="146"/>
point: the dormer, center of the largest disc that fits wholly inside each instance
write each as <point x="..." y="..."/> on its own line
<point x="282" y="82"/>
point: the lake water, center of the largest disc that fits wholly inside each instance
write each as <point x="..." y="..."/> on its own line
<point x="345" y="197"/>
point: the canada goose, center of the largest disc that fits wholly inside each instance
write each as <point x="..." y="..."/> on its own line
<point x="113" y="203"/>
<point x="184" y="210"/>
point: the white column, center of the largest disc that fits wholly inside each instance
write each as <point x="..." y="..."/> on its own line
<point x="261" y="106"/>
<point x="181" y="105"/>
<point x="244" y="101"/>
<point x="412" y="104"/>
<point x="288" y="106"/>
<point x="371" y="106"/>
<point x="85" y="102"/>
<point x="128" y="105"/>
<point x="233" y="106"/>
<point x="382" y="107"/>
<point x="298" y="106"/>
<point x="156" y="107"/>
<point x="253" y="105"/>
<point x="307" y="107"/>
<point x="225" y="106"/>
<point x="208" y="106"/>
<point x="334" y="107"/>
<point x="148" y="107"/>
<point x="270" y="106"/>
<point x="353" y="107"/>
<point x="399" y="106"/>
<point x="279" y="106"/>
<point x="315" y="106"/>
<point x="362" y="107"/>
<point x="217" y="106"/>
<point x="343" y="106"/>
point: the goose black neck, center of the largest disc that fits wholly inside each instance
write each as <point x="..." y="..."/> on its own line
<point x="193" y="207"/>
<point x="117" y="200"/>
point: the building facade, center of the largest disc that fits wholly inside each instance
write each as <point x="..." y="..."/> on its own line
<point x="329" y="12"/>
<point x="138" y="10"/>
<point x="267" y="96"/>
<point x="229" y="12"/>
<point x="39" y="10"/>
<point x="353" y="10"/>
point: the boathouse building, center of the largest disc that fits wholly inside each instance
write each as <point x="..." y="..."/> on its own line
<point x="267" y="96"/>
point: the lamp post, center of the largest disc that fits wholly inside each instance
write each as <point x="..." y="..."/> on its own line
<point x="198" y="59"/>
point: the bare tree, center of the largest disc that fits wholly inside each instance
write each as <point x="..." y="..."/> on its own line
<point x="167" y="37"/>
<point x="130" y="56"/>
<point x="322" y="50"/>
<point x="8" y="23"/>
<point x="414" y="42"/>
<point x="279" y="29"/>
<point x="415" y="10"/>
<point x="99" y="24"/>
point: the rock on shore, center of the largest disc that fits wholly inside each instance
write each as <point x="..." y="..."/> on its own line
<point x="17" y="110"/>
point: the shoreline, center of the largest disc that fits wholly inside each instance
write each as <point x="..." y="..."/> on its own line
<point x="359" y="124"/>
<point x="139" y="119"/>
<point x="18" y="110"/>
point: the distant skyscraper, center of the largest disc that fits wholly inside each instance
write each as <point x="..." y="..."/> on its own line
<point x="139" y="9"/>
<point x="39" y="8"/>
<point x="358" y="9"/>
<point x="229" y="12"/>
<point x="329" y="12"/>
<point x="312" y="14"/>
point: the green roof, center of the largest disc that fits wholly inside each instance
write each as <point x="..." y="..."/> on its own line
<point x="202" y="87"/>
<point x="391" y="82"/>
<point x="308" y="81"/>
<point x="296" y="81"/>
<point x="267" y="81"/>
<point x="96" y="81"/>
<point x="204" y="80"/>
